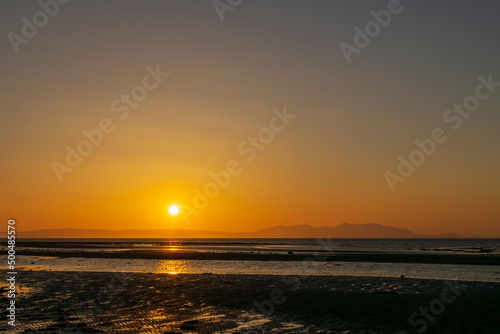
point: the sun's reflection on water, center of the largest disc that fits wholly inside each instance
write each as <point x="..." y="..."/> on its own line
<point x="172" y="267"/>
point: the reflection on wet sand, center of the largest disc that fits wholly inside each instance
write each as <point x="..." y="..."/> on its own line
<point x="172" y="267"/>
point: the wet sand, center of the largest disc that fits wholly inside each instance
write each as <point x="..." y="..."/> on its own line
<point x="89" y="302"/>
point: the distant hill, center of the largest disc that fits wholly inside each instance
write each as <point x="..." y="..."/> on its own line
<point x="344" y="230"/>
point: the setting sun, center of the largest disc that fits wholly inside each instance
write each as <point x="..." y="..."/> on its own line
<point x="173" y="210"/>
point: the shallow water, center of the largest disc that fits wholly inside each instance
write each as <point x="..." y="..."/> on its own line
<point x="416" y="270"/>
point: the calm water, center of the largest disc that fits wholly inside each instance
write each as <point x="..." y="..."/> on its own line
<point x="462" y="245"/>
<point x="481" y="247"/>
<point x="291" y="268"/>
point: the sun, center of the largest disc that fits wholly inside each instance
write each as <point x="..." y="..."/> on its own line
<point x="174" y="210"/>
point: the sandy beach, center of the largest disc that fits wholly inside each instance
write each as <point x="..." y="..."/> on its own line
<point x="88" y="302"/>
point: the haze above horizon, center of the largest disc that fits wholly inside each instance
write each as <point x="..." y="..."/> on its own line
<point x="163" y="115"/>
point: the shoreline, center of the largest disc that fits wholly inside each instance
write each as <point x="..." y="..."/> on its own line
<point x="300" y="276"/>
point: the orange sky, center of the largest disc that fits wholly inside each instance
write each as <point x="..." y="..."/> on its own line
<point x="323" y="167"/>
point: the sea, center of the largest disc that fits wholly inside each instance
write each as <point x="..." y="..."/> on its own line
<point x="476" y="247"/>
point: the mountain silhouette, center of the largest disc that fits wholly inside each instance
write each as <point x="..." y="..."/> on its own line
<point x="344" y="230"/>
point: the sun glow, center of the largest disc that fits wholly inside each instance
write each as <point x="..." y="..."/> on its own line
<point x="173" y="210"/>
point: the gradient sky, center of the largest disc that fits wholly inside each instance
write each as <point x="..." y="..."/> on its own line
<point x="327" y="166"/>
